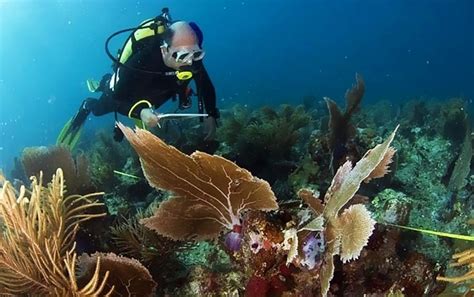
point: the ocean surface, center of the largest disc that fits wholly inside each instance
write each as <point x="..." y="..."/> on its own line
<point x="257" y="52"/>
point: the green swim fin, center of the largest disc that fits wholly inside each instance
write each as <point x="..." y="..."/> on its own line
<point x="69" y="135"/>
<point x="92" y="85"/>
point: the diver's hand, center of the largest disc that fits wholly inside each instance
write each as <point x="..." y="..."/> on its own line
<point x="148" y="117"/>
<point x="210" y="127"/>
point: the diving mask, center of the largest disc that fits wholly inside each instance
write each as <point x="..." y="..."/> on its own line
<point x="185" y="55"/>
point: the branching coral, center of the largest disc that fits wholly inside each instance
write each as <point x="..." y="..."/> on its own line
<point x="210" y="192"/>
<point x="36" y="246"/>
<point x="233" y="124"/>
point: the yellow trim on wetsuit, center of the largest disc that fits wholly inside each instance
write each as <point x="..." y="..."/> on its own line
<point x="135" y="106"/>
<point x="140" y="34"/>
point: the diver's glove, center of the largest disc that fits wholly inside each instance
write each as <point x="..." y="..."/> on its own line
<point x="210" y="125"/>
<point x="149" y="117"/>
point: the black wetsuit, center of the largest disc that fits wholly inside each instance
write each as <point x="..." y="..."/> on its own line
<point x="132" y="86"/>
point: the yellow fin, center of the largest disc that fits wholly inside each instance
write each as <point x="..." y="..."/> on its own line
<point x="92" y="85"/>
<point x="68" y="138"/>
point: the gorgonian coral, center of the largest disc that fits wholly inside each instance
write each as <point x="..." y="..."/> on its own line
<point x="209" y="192"/>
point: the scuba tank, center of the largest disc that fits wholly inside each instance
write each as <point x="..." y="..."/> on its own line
<point x="151" y="27"/>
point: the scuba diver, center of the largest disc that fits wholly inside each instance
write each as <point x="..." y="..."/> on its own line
<point x="156" y="63"/>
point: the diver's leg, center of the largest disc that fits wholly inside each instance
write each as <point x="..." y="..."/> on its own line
<point x="104" y="105"/>
<point x="98" y="107"/>
<point x="81" y="115"/>
<point x="104" y="83"/>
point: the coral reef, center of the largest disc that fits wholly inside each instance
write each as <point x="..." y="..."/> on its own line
<point x="342" y="235"/>
<point x="334" y="140"/>
<point x="135" y="240"/>
<point x="281" y="255"/>
<point x="391" y="207"/>
<point x="464" y="282"/>
<point x="265" y="141"/>
<point x="212" y="228"/>
<point x="105" y="156"/>
<point x="458" y="179"/>
<point x="431" y="201"/>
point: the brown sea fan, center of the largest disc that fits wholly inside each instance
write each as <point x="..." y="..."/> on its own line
<point x="209" y="192"/>
<point x="48" y="159"/>
<point x="128" y="278"/>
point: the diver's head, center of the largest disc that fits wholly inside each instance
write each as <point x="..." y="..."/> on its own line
<point x="181" y="46"/>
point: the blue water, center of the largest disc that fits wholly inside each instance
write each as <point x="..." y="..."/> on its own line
<point x="258" y="52"/>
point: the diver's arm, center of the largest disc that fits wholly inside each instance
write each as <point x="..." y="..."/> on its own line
<point x="205" y="90"/>
<point x="132" y="108"/>
<point x="140" y="110"/>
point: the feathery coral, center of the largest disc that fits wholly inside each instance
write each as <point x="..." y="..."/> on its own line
<point x="210" y="192"/>
<point x="339" y="123"/>
<point x="356" y="228"/>
<point x="36" y="245"/>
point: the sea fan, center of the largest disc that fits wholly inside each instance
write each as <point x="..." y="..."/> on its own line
<point x="209" y="192"/>
<point x="129" y="277"/>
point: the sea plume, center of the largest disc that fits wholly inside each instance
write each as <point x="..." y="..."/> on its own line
<point x="463" y="259"/>
<point x="37" y="241"/>
<point x="341" y="130"/>
<point x="209" y="192"/>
